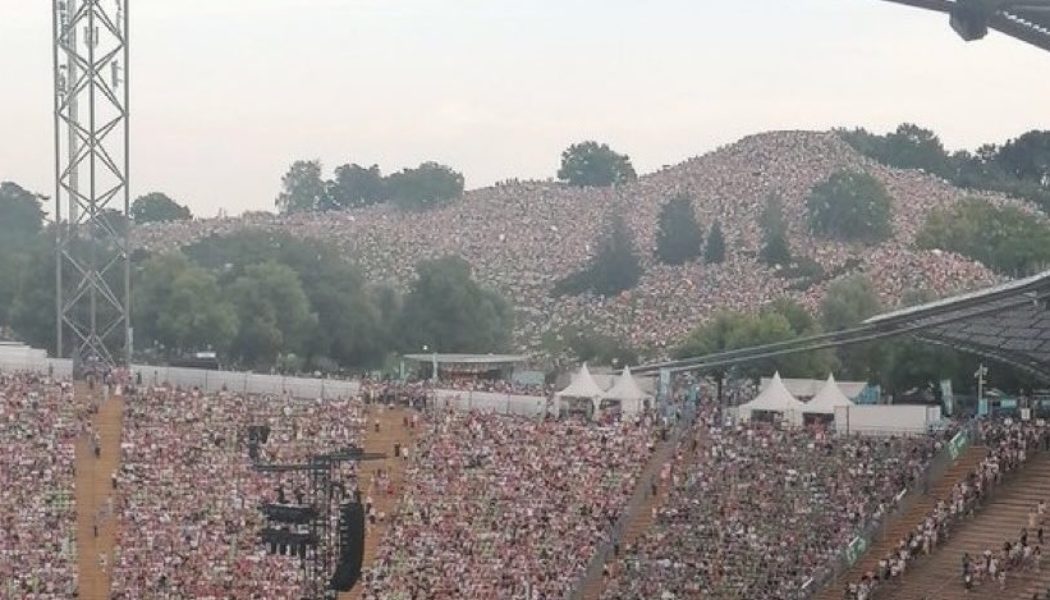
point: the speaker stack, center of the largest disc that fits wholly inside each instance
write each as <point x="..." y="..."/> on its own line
<point x="352" y="546"/>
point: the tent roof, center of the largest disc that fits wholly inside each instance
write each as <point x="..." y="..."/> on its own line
<point x="626" y="388"/>
<point x="828" y="398"/>
<point x="775" y="397"/>
<point x="582" y="386"/>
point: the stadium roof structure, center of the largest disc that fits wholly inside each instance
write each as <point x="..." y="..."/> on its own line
<point x="1009" y="323"/>
<point x="1026" y="20"/>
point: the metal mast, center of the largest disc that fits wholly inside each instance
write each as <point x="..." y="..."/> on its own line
<point x="92" y="270"/>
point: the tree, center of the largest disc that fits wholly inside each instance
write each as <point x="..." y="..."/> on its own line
<point x="1006" y="239"/>
<point x="593" y="164"/>
<point x="775" y="248"/>
<point x="846" y="304"/>
<point x="303" y="188"/>
<point x="156" y="207"/>
<point x="715" y="251"/>
<point x="678" y="236"/>
<point x="355" y="186"/>
<point x="273" y="312"/>
<point x="614" y="269"/>
<point x="1028" y="158"/>
<point x="428" y="185"/>
<point x="850" y="206"/>
<point x="590" y="346"/>
<point x="447" y="311"/>
<point x="21" y="216"/>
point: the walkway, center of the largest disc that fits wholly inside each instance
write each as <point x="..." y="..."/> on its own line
<point x="392" y="431"/>
<point x="93" y="493"/>
<point x="940" y="575"/>
<point x="900" y="526"/>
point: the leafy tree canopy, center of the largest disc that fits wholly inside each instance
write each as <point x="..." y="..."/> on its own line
<point x="156" y="207"/>
<point x="715" y="251"/>
<point x="775" y="248"/>
<point x="274" y="314"/>
<point x="1006" y="239"/>
<point x="678" y="236"/>
<point x="447" y="311"/>
<point x="355" y="186"/>
<point x="21" y="216"/>
<point x="850" y="206"/>
<point x="428" y="185"/>
<point x="303" y="188"/>
<point x="593" y="164"/>
<point x="614" y="269"/>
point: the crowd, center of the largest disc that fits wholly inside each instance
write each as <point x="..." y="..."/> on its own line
<point x="523" y="237"/>
<point x="506" y="507"/>
<point x="1010" y="444"/>
<point x="38" y="430"/>
<point x="188" y="497"/>
<point x="754" y="511"/>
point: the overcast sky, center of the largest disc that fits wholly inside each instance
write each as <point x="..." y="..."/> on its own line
<point x="227" y="93"/>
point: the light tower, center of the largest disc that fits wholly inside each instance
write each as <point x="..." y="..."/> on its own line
<point x="92" y="268"/>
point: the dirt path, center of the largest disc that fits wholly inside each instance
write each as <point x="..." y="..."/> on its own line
<point x="95" y="522"/>
<point x="392" y="431"/>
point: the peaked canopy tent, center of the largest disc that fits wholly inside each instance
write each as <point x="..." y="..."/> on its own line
<point x="829" y="397"/>
<point x="774" y="399"/>
<point x="627" y="393"/>
<point x="582" y="395"/>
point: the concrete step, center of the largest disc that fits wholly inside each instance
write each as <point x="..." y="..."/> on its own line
<point x="1001" y="519"/>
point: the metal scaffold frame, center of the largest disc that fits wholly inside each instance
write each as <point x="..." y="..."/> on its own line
<point x="92" y="258"/>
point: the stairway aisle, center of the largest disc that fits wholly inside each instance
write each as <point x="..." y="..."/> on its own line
<point x="93" y="491"/>
<point x="642" y="519"/>
<point x="392" y="431"/>
<point x="902" y="524"/>
<point x="939" y="576"/>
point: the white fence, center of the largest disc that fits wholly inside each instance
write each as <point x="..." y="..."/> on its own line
<point x="23" y="359"/>
<point x="510" y="404"/>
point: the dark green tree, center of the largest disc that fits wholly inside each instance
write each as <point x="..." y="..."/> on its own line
<point x="180" y="307"/>
<point x="1028" y="158"/>
<point x="303" y="188"/>
<point x="678" y="236"/>
<point x="355" y="186"/>
<point x="593" y="164"/>
<point x="1006" y="239"/>
<point x="21" y="216"/>
<point x="614" y="268"/>
<point x="775" y="248"/>
<point x="715" y="251"/>
<point x="156" y="207"/>
<point x="846" y="304"/>
<point x="428" y="185"/>
<point x="273" y="312"/>
<point x="447" y="311"/>
<point x="850" y="206"/>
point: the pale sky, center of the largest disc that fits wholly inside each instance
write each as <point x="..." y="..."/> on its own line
<point x="227" y="93"/>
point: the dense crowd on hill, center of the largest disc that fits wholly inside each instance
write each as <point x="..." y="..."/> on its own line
<point x="38" y="431"/>
<point x="505" y="507"/>
<point x="1010" y="444"/>
<point x="754" y="511"/>
<point x="189" y="498"/>
<point x="522" y="237"/>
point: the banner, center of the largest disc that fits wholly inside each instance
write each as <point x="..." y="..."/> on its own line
<point x="855" y="550"/>
<point x="958" y="445"/>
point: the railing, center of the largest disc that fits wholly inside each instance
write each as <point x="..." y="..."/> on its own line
<point x="642" y="492"/>
<point x="876" y="528"/>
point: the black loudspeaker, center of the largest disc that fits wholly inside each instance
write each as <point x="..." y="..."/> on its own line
<point x="352" y="544"/>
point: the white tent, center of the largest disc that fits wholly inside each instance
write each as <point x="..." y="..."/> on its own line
<point x="827" y="399"/>
<point x="627" y="392"/>
<point x="775" y="398"/>
<point x="583" y="387"/>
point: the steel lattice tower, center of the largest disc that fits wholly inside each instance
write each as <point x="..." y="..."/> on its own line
<point x="92" y="274"/>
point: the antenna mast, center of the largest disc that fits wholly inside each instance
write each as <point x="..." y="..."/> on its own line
<point x="92" y="268"/>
